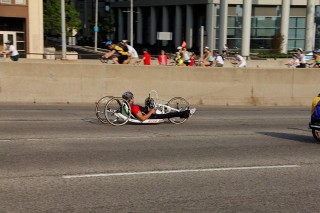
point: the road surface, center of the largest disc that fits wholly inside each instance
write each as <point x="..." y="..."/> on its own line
<point x="59" y="158"/>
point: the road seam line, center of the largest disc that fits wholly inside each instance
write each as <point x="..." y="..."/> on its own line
<point x="176" y="171"/>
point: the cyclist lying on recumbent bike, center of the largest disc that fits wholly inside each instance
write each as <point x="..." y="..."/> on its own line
<point x="149" y="112"/>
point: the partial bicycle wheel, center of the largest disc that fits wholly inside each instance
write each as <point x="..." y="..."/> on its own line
<point x="100" y="109"/>
<point x="178" y="104"/>
<point x="316" y="134"/>
<point x="117" y="111"/>
<point x="104" y="60"/>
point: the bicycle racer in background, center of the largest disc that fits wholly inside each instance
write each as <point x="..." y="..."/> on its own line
<point x="123" y="55"/>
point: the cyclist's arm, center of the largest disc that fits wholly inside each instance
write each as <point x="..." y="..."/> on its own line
<point x="108" y="54"/>
<point x="143" y="117"/>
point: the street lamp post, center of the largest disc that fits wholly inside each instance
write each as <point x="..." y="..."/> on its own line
<point x="63" y="30"/>
<point x="96" y="28"/>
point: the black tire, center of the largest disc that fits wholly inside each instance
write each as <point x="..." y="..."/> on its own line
<point x="316" y="134"/>
<point x="117" y="111"/>
<point x="180" y="104"/>
<point x="100" y="109"/>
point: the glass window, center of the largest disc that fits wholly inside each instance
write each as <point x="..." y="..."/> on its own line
<point x="10" y="37"/>
<point x="292" y="22"/>
<point x="20" y="1"/>
<point x="299" y="43"/>
<point x="6" y="1"/>
<point x="232" y="21"/>
<point x="300" y="33"/>
<point x="20" y="45"/>
<point x="20" y="36"/>
<point x="234" y="43"/>
<point x="266" y="22"/>
<point x="301" y="22"/>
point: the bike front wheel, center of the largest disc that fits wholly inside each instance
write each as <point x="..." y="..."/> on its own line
<point x="178" y="104"/>
<point x="316" y="134"/>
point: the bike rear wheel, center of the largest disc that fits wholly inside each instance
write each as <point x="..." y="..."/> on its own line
<point x="100" y="109"/>
<point x="316" y="134"/>
<point x="180" y="104"/>
<point x="117" y="111"/>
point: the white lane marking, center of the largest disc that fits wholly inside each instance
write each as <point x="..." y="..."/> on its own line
<point x="5" y="140"/>
<point x="178" y="171"/>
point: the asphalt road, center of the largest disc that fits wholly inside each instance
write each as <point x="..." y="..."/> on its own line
<point x="59" y="158"/>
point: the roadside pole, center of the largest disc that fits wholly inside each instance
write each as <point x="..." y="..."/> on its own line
<point x="96" y="28"/>
<point x="63" y="30"/>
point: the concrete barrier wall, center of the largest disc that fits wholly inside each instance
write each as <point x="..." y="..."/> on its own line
<point x="67" y="82"/>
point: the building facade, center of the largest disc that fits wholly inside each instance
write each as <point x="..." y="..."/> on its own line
<point x="241" y="24"/>
<point x="21" y="21"/>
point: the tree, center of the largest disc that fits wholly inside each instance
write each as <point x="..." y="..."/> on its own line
<point x="276" y="43"/>
<point x="52" y="17"/>
<point x="106" y="26"/>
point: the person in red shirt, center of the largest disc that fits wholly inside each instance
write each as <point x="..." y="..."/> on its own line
<point x="142" y="113"/>
<point x="146" y="57"/>
<point x="192" y="60"/>
<point x="163" y="58"/>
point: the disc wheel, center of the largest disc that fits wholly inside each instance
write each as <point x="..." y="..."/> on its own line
<point x="117" y="111"/>
<point x="100" y="109"/>
<point x="180" y="104"/>
<point x="316" y="134"/>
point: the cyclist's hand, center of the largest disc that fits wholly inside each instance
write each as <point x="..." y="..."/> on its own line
<point x="153" y="110"/>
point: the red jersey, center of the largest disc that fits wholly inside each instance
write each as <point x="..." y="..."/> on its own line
<point x="135" y="109"/>
<point x="147" y="59"/>
<point x="191" y="64"/>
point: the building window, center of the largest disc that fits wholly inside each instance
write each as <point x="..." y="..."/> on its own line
<point x="297" y="30"/>
<point x="6" y="1"/>
<point x="265" y="23"/>
<point x="317" y="23"/>
<point x="262" y="31"/>
<point x="20" y="1"/>
<point x="234" y="25"/>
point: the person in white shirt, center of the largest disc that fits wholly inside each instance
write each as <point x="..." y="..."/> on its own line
<point x="294" y="62"/>
<point x="11" y="50"/>
<point x="301" y="58"/>
<point x="134" y="57"/>
<point x="238" y="59"/>
<point x="218" y="60"/>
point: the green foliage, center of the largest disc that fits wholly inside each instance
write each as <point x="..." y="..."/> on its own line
<point x="105" y="24"/>
<point x="273" y="55"/>
<point x="52" y="17"/>
<point x="276" y="43"/>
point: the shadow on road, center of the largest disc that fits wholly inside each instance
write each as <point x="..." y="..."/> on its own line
<point x="292" y="137"/>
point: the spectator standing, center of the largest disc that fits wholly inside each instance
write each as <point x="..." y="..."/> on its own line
<point x="302" y="58"/>
<point x="192" y="60"/>
<point x="134" y="57"/>
<point x="163" y="58"/>
<point x="146" y="57"/>
<point x="11" y="50"/>
<point x="238" y="59"/>
<point x="218" y="60"/>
